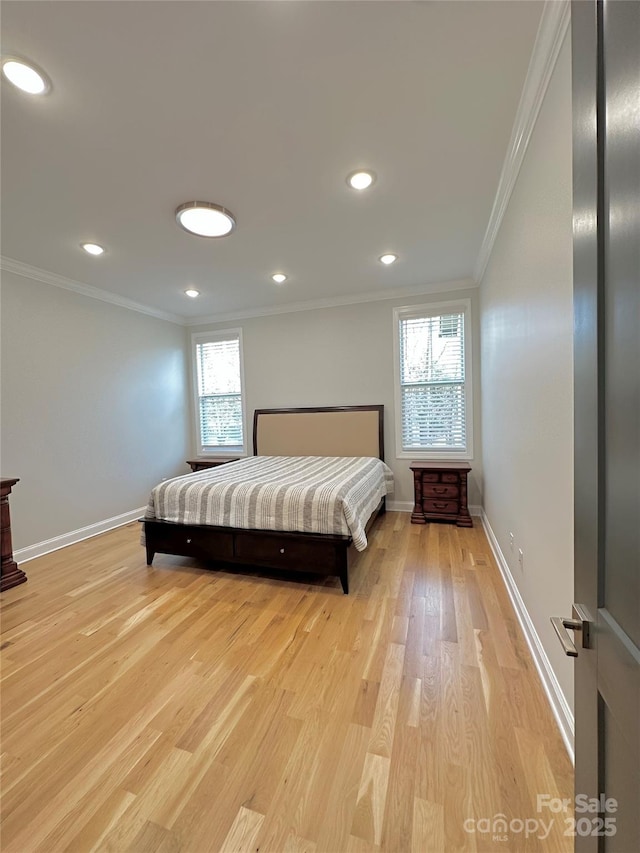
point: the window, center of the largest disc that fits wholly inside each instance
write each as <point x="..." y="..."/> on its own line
<point x="433" y="381"/>
<point x="218" y="381"/>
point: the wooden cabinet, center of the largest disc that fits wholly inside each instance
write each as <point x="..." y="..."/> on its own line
<point x="10" y="573"/>
<point x="440" y="492"/>
<point x="201" y="464"/>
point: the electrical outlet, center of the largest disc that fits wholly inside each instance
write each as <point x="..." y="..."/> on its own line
<point x="511" y="541"/>
<point x="521" y="559"/>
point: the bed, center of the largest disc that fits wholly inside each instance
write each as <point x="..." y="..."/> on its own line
<point x="304" y="502"/>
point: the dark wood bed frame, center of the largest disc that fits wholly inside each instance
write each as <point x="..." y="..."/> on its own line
<point x="322" y="554"/>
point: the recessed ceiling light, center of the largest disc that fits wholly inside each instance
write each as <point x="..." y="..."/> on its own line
<point x="205" y="219"/>
<point x="388" y="259"/>
<point x="360" y="180"/>
<point x="192" y="293"/>
<point x="92" y="248"/>
<point x="25" y="75"/>
<point x="279" y="277"/>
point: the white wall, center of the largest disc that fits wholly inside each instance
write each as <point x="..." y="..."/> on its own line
<point x="527" y="374"/>
<point x="340" y="356"/>
<point x="95" y="407"/>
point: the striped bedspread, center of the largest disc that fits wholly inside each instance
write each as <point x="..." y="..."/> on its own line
<point x="307" y="494"/>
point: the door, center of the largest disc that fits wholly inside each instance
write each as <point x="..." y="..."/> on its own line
<point x="606" y="109"/>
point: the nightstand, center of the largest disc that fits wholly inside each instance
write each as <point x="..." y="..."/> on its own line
<point x="201" y="464"/>
<point x="10" y="574"/>
<point x="440" y="492"/>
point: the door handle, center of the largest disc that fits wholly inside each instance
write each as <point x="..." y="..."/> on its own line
<point x="580" y="621"/>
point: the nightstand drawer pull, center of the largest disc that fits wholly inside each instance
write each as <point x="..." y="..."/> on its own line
<point x="188" y="541"/>
<point x="282" y="550"/>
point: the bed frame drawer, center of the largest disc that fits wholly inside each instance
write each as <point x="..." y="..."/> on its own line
<point x="199" y="542"/>
<point x="279" y="550"/>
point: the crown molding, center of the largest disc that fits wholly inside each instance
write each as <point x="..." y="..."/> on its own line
<point x="353" y="299"/>
<point x="553" y="27"/>
<point x="46" y="277"/>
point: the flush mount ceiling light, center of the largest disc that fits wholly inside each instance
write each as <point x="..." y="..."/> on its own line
<point x="387" y="259"/>
<point x="360" y="180"/>
<point x="25" y="75"/>
<point x="92" y="248"/>
<point x="192" y="293"/>
<point x="279" y="277"/>
<point x="205" y="219"/>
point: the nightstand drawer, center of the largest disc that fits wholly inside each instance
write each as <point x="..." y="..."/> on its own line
<point x="441" y="507"/>
<point x="428" y="477"/>
<point x="450" y="478"/>
<point x="441" y="491"/>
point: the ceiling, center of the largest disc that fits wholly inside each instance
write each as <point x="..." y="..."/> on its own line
<point x="264" y="108"/>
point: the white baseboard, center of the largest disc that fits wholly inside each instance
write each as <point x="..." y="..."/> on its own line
<point x="559" y="705"/>
<point x="23" y="555"/>
<point x="407" y="506"/>
<point x="400" y="506"/>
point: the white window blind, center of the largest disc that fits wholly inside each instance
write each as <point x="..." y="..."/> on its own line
<point x="433" y="382"/>
<point x="219" y="389"/>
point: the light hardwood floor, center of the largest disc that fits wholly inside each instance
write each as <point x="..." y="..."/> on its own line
<point x="178" y="709"/>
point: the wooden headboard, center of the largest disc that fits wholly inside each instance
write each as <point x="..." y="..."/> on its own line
<point x="324" y="431"/>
